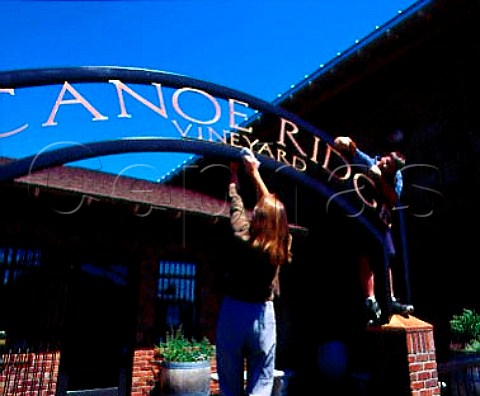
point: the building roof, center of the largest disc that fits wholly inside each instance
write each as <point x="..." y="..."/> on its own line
<point x="101" y="186"/>
<point x="141" y="195"/>
<point x="387" y="69"/>
<point x="391" y="78"/>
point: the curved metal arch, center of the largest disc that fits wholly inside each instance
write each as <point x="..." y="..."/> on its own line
<point x="84" y="74"/>
<point x="21" y="78"/>
<point x="82" y="151"/>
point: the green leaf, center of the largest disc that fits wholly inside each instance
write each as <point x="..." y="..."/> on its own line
<point x="177" y="348"/>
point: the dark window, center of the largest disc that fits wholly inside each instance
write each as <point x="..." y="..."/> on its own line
<point x="176" y="297"/>
<point x="15" y="262"/>
<point x="25" y="306"/>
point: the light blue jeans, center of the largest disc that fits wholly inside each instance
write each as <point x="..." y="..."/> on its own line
<point x="246" y="330"/>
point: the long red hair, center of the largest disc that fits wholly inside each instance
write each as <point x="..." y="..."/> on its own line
<point x="269" y="229"/>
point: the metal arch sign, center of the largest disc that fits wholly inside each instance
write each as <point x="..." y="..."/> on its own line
<point x="286" y="153"/>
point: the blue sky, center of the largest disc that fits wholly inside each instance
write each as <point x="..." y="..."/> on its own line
<point x="258" y="47"/>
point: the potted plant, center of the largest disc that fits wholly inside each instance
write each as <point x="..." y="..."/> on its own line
<point x="465" y="329"/>
<point x="185" y="364"/>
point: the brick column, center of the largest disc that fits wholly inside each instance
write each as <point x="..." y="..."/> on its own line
<point x="405" y="360"/>
<point x="144" y="373"/>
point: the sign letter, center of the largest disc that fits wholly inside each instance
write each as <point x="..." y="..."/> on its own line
<point x="78" y="99"/>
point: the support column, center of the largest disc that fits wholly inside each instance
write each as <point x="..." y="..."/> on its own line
<point x="405" y="362"/>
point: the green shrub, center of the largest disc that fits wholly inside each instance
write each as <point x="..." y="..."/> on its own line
<point x="177" y="348"/>
<point x="465" y="328"/>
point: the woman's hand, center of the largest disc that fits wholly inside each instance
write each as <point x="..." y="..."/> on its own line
<point x="345" y="144"/>
<point x="251" y="164"/>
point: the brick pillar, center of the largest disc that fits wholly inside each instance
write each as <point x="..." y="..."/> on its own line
<point x="144" y="373"/>
<point x="405" y="360"/>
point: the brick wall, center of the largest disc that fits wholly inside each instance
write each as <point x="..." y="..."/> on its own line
<point x="29" y="374"/>
<point x="404" y="351"/>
